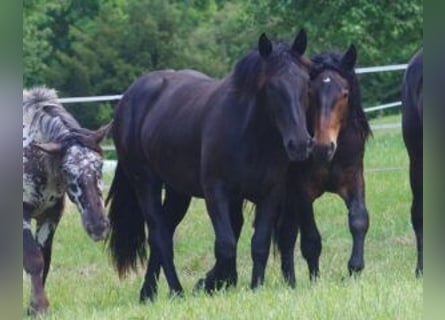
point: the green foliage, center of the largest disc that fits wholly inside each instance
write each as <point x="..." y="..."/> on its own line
<point x="95" y="47"/>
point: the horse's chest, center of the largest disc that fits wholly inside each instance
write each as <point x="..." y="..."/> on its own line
<point x="41" y="188"/>
<point x="321" y="178"/>
<point x="262" y="175"/>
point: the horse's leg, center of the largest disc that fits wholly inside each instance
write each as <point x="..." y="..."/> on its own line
<point x="149" y="195"/>
<point x="358" y="221"/>
<point x="310" y="242"/>
<point x="286" y="236"/>
<point x="415" y="170"/>
<point x="236" y="217"/>
<point x="150" y="286"/>
<point x="237" y="221"/>
<point x="45" y="234"/>
<point x="33" y="263"/>
<point x="174" y="208"/>
<point x="266" y="213"/>
<point x="224" y="271"/>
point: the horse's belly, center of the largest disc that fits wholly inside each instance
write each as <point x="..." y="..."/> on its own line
<point x="180" y="169"/>
<point x="259" y="183"/>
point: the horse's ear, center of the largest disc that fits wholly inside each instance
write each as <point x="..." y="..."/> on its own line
<point x="100" y="133"/>
<point x="50" y="147"/>
<point x="300" y="43"/>
<point x="349" y="58"/>
<point x="264" y="46"/>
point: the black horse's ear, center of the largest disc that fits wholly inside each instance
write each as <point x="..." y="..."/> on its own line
<point x="264" y="46"/>
<point x="300" y="43"/>
<point x="349" y="58"/>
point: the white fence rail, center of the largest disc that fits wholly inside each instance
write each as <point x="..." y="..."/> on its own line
<point x="364" y="70"/>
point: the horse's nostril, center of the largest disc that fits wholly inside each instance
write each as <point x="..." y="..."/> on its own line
<point x="291" y="145"/>
<point x="310" y="144"/>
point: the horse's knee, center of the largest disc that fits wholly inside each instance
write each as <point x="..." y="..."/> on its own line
<point x="359" y="223"/>
<point x="226" y="249"/>
<point x="310" y="245"/>
<point x="33" y="261"/>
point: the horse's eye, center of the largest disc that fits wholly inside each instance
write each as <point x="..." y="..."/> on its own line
<point x="345" y="93"/>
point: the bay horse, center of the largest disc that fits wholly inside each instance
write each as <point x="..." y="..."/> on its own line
<point x="58" y="157"/>
<point x="340" y="129"/>
<point x="412" y="130"/>
<point x="222" y="140"/>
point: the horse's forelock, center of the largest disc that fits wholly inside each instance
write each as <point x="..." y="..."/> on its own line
<point x="39" y="96"/>
<point x="252" y="70"/>
<point x="55" y="121"/>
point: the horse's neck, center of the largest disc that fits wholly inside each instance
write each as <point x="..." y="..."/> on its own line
<point x="258" y="129"/>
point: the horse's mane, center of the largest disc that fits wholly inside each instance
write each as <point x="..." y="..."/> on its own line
<point x="332" y="61"/>
<point x="251" y="72"/>
<point x="53" y="121"/>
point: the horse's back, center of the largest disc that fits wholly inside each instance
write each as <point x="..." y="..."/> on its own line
<point x="159" y="122"/>
<point x="412" y="105"/>
<point x="163" y="99"/>
<point x="412" y="90"/>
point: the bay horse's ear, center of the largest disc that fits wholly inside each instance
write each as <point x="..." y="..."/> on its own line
<point x="50" y="147"/>
<point x="264" y="46"/>
<point x="349" y="58"/>
<point x="100" y="133"/>
<point x="300" y="43"/>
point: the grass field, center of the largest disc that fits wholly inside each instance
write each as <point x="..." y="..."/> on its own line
<point x="83" y="285"/>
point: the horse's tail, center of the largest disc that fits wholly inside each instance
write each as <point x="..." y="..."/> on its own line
<point x="127" y="239"/>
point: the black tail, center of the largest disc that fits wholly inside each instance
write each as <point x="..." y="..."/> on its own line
<point x="127" y="239"/>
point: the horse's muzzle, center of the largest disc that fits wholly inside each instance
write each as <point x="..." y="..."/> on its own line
<point x="323" y="152"/>
<point x="99" y="229"/>
<point x="299" y="151"/>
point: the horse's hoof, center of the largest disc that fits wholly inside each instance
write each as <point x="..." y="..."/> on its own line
<point x="313" y="277"/>
<point x="355" y="266"/>
<point x="200" y="285"/>
<point x="36" y="309"/>
<point x="419" y="273"/>
<point x="147" y="295"/>
<point x="176" y="294"/>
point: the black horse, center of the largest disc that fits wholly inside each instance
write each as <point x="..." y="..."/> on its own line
<point x="340" y="129"/>
<point x="223" y="140"/>
<point x="412" y="129"/>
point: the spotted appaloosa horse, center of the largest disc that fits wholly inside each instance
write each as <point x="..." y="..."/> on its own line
<point x="412" y="129"/>
<point x="340" y="129"/>
<point x="58" y="157"/>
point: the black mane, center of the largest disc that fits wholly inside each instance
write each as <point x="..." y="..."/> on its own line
<point x="252" y="71"/>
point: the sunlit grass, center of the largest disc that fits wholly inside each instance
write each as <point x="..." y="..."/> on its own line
<point x="83" y="285"/>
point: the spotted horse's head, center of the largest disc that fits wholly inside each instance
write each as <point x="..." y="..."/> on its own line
<point x="81" y="168"/>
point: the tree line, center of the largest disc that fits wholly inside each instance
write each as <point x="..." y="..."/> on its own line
<point x="99" y="47"/>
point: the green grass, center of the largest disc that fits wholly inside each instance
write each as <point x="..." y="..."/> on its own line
<point x="83" y="285"/>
